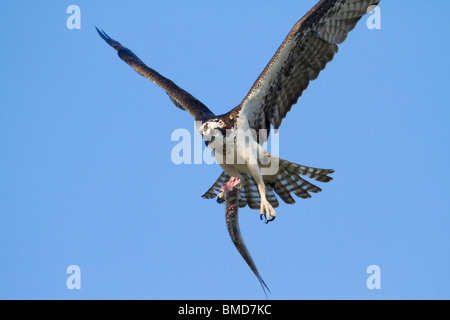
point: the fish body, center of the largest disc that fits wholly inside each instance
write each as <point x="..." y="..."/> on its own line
<point x="230" y="192"/>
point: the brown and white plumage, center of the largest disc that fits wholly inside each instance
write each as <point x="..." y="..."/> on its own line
<point x="305" y="52"/>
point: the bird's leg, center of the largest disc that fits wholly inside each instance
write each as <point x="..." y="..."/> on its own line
<point x="267" y="210"/>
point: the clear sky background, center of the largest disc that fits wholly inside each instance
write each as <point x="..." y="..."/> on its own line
<point x="86" y="176"/>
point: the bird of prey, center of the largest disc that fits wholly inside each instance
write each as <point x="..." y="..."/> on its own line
<point x="305" y="52"/>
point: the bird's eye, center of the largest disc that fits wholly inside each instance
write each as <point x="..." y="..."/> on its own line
<point x="214" y="132"/>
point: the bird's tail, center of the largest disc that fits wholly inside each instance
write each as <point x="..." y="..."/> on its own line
<point x="287" y="180"/>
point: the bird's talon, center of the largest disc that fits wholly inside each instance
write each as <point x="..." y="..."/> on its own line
<point x="267" y="212"/>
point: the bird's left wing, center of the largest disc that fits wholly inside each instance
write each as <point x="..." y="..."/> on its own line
<point x="310" y="45"/>
<point x="179" y="97"/>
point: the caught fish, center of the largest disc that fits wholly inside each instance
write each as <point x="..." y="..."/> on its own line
<point x="230" y="194"/>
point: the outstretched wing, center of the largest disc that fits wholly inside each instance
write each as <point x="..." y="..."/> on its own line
<point x="179" y="97"/>
<point x="310" y="45"/>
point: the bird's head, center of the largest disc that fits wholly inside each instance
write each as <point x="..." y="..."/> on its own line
<point x="213" y="132"/>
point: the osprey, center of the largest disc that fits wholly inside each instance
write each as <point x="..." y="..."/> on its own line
<point x="310" y="45"/>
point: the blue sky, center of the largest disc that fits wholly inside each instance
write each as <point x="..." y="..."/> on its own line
<point x="87" y="178"/>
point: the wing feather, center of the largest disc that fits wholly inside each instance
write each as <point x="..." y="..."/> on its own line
<point x="179" y="97"/>
<point x="310" y="45"/>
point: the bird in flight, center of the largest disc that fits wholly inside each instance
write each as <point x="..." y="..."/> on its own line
<point x="237" y="137"/>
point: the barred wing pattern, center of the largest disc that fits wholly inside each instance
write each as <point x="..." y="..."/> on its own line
<point x="305" y="52"/>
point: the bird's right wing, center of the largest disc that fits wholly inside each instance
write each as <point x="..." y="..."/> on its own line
<point x="179" y="97"/>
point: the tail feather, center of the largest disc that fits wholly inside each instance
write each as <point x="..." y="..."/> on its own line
<point x="215" y="189"/>
<point x="309" y="172"/>
<point x="300" y="187"/>
<point x="282" y="190"/>
<point x="288" y="180"/>
<point x="251" y="194"/>
<point x="270" y="195"/>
